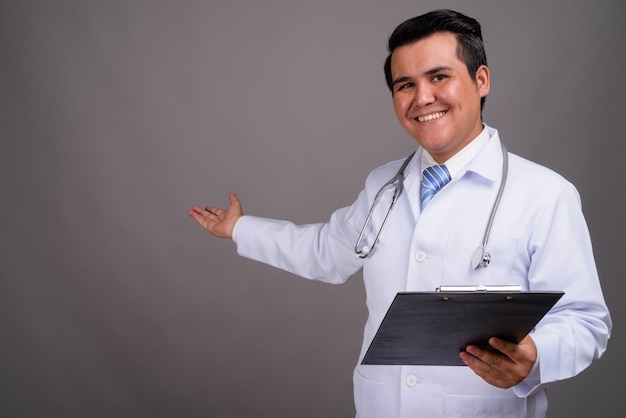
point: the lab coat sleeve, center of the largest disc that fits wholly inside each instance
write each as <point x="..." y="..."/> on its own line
<point x="576" y="331"/>
<point x="323" y="251"/>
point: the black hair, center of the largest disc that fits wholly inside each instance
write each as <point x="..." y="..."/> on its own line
<point x="470" y="47"/>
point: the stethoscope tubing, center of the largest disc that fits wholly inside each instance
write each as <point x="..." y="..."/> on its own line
<point x="481" y="257"/>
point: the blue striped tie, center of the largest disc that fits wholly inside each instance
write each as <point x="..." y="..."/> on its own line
<point x="433" y="179"/>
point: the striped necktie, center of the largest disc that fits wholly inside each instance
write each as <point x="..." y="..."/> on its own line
<point x="433" y="179"/>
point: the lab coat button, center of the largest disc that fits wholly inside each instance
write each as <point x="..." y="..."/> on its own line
<point x="420" y="256"/>
<point x="411" y="380"/>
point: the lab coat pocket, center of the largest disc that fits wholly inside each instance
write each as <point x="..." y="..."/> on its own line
<point x="484" y="406"/>
<point x="368" y="396"/>
<point x="457" y="265"/>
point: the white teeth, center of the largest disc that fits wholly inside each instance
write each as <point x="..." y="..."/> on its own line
<point x="430" y="117"/>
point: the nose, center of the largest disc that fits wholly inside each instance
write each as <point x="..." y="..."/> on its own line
<point x="424" y="95"/>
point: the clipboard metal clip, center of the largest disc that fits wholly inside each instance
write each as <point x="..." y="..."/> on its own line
<point x="480" y="288"/>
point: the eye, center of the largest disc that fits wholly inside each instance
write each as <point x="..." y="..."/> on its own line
<point x="405" y="86"/>
<point x="439" y="77"/>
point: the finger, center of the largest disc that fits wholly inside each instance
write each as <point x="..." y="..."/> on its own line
<point x="524" y="353"/>
<point x="476" y="364"/>
<point x="197" y="209"/>
<point x="201" y="218"/>
<point x="232" y="196"/>
<point x="487" y="372"/>
<point x="213" y="210"/>
<point x="199" y="214"/>
<point x="505" y="347"/>
<point x="235" y="205"/>
<point x="486" y="356"/>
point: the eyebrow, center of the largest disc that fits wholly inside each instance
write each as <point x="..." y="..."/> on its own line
<point x="438" y="69"/>
<point x="401" y="80"/>
<point x="432" y="71"/>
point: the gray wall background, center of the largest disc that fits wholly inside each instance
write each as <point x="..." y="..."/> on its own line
<point x="117" y="116"/>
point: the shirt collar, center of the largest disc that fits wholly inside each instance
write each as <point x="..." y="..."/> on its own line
<point x="459" y="161"/>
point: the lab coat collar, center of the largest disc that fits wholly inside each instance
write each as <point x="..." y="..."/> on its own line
<point x="488" y="162"/>
<point x="487" y="165"/>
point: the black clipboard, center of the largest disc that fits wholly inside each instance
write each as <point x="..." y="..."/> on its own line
<point x="432" y="328"/>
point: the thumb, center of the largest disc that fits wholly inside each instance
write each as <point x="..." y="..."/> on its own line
<point x="234" y="209"/>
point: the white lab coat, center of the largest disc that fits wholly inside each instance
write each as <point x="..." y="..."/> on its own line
<point x="539" y="240"/>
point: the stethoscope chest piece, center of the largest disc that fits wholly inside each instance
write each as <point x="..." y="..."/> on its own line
<point x="481" y="258"/>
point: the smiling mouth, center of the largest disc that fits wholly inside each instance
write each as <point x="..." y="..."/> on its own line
<point x="432" y="116"/>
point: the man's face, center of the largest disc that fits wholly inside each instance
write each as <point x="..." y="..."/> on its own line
<point x="434" y="97"/>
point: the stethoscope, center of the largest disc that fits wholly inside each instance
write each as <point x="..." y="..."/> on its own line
<point x="480" y="258"/>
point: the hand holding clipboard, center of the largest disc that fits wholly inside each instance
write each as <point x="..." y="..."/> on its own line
<point x="432" y="328"/>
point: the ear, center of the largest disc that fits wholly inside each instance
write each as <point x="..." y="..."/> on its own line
<point x="483" y="80"/>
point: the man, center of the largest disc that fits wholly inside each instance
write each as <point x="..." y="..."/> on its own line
<point x="438" y="76"/>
